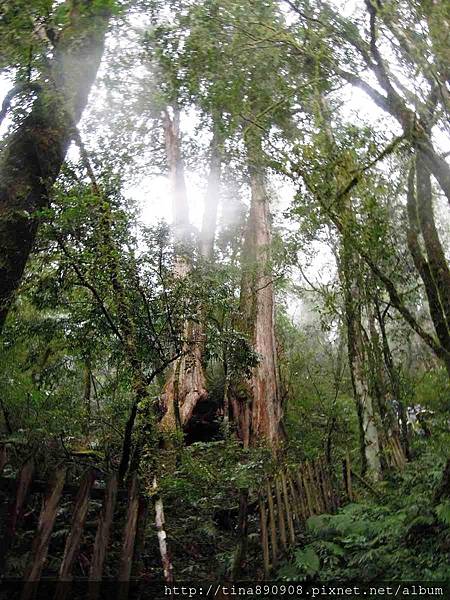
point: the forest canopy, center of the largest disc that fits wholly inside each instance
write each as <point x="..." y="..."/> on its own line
<point x="225" y="258"/>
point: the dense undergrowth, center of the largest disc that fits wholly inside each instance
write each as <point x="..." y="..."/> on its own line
<point x="402" y="534"/>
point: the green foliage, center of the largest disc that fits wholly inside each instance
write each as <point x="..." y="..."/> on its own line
<point x="402" y="539"/>
<point x="100" y="303"/>
<point x="443" y="512"/>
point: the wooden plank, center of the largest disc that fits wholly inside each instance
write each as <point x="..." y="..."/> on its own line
<point x="264" y="536"/>
<point x="23" y="486"/>
<point x="287" y="508"/>
<point x="15" y="512"/>
<point x="8" y="485"/>
<point x="397" y="450"/>
<point x="306" y="487"/>
<point x="139" y="545"/>
<point x="102" y="535"/>
<point x="302" y="496"/>
<point x="281" y="519"/>
<point x="272" y="525"/>
<point x="42" y="537"/>
<point x="3" y="457"/>
<point x="129" y="532"/>
<point x="348" y="477"/>
<point x="321" y="495"/>
<point x="80" y="510"/>
<point x="295" y="501"/>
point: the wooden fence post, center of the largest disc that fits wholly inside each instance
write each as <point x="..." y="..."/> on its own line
<point x="80" y="510"/>
<point x="295" y="501"/>
<point x="264" y="536"/>
<point x="15" y="512"/>
<point x="42" y="537"/>
<point x="129" y="536"/>
<point x="281" y="519"/>
<point x="272" y="525"/>
<point x="302" y="496"/>
<point x="307" y="488"/>
<point x="102" y="537"/>
<point x="288" y="508"/>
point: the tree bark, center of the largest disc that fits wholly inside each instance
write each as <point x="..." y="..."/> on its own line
<point x="186" y="383"/>
<point x="358" y="363"/>
<point x="394" y="380"/>
<point x="34" y="153"/>
<point x="350" y="277"/>
<point x="433" y="268"/>
<point x="209" y="223"/>
<point x="258" y="412"/>
<point x="392" y="437"/>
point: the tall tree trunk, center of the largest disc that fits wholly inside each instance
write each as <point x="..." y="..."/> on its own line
<point x="432" y="267"/>
<point x="391" y="440"/>
<point x="358" y="363"/>
<point x="376" y="378"/>
<point x="209" y="223"/>
<point x="35" y="151"/>
<point x="350" y="275"/>
<point x="258" y="411"/>
<point x="394" y="380"/>
<point x="186" y="383"/>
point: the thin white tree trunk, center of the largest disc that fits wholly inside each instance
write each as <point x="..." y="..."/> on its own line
<point x="162" y="536"/>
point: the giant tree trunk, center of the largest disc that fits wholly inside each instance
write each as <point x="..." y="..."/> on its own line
<point x="258" y="410"/>
<point x="35" y="151"/>
<point x="186" y="383"/>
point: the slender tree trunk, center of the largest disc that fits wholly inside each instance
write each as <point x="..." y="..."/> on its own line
<point x="209" y="223"/>
<point x="433" y="268"/>
<point x="391" y="441"/>
<point x="87" y="388"/>
<point x="258" y="411"/>
<point x="350" y="275"/>
<point x="377" y="387"/>
<point x="358" y="363"/>
<point x="395" y="383"/>
<point x="35" y="151"/>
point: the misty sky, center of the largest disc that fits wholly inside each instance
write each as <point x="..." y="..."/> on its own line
<point x="153" y="193"/>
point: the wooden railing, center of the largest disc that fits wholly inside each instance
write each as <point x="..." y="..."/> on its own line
<point x="287" y="500"/>
<point x="20" y="489"/>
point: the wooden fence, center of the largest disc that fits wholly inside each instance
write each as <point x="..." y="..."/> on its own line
<point x="287" y="500"/>
<point x="130" y="500"/>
